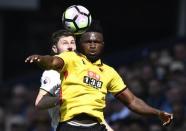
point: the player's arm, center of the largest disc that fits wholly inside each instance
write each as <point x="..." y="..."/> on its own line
<point x="44" y="100"/>
<point x="139" y="106"/>
<point x="46" y="61"/>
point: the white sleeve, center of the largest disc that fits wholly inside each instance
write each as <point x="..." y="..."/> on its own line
<point x="50" y="81"/>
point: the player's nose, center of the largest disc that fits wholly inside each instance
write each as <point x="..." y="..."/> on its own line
<point x="92" y="45"/>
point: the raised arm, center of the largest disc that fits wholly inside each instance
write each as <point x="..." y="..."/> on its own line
<point x="139" y="106"/>
<point x="46" y="62"/>
<point x="45" y="101"/>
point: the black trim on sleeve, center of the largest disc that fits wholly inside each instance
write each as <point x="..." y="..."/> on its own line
<point x="47" y="92"/>
<point x="120" y="92"/>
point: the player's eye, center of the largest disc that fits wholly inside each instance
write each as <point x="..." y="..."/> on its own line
<point x="73" y="42"/>
<point x="94" y="41"/>
<point x="98" y="41"/>
<point x="65" y="43"/>
<point x="86" y="42"/>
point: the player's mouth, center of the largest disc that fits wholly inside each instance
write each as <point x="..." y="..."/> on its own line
<point x="92" y="52"/>
<point x="69" y="49"/>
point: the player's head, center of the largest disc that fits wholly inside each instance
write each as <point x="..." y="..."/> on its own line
<point x="92" y="42"/>
<point x="63" y="40"/>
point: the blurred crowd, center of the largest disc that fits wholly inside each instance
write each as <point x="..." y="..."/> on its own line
<point x="159" y="78"/>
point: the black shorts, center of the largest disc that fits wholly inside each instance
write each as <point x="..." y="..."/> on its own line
<point x="81" y="122"/>
<point x="67" y="127"/>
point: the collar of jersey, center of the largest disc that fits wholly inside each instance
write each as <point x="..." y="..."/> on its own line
<point x="98" y="62"/>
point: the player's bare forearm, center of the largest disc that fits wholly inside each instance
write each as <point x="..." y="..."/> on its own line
<point x="139" y="106"/>
<point x="135" y="104"/>
<point x="46" y="62"/>
<point x="48" y="102"/>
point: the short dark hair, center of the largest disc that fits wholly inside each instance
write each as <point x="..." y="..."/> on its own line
<point x="95" y="27"/>
<point x="58" y="34"/>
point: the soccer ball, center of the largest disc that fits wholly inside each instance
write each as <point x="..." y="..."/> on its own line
<point x="76" y="19"/>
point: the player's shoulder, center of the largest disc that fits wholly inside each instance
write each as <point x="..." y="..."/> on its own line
<point x="108" y="68"/>
<point x="68" y="54"/>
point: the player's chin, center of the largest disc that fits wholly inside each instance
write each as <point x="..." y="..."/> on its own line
<point x="93" y="56"/>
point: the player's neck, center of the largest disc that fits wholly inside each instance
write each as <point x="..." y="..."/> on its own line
<point x="92" y="59"/>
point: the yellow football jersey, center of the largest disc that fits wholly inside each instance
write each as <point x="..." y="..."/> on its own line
<point x="85" y="85"/>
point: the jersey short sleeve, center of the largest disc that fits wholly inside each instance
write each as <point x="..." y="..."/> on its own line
<point x="50" y="81"/>
<point x="67" y="57"/>
<point x="116" y="84"/>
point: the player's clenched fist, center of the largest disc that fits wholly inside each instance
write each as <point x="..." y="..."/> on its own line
<point x="33" y="58"/>
<point x="166" y="118"/>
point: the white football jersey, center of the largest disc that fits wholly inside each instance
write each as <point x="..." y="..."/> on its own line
<point x="50" y="82"/>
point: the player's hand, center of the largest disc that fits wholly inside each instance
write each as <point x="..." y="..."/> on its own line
<point x="165" y="117"/>
<point x="33" y="58"/>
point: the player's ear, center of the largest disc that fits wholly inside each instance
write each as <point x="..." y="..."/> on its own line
<point x="54" y="48"/>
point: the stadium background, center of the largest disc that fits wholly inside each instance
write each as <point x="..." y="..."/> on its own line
<point x="145" y="41"/>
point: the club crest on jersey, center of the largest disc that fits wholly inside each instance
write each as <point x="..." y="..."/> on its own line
<point x="93" y="79"/>
<point x="46" y="80"/>
<point x="93" y="75"/>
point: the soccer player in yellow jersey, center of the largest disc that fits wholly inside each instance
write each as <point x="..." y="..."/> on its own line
<point x="86" y="82"/>
<point x="49" y="93"/>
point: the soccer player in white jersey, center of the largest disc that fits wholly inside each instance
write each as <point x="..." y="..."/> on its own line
<point x="48" y="96"/>
<point x="49" y="93"/>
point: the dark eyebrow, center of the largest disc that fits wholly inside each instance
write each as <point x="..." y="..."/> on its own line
<point x="95" y="41"/>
